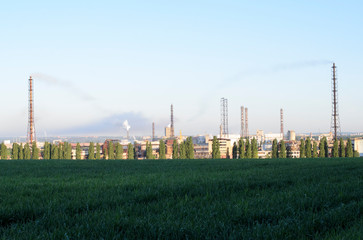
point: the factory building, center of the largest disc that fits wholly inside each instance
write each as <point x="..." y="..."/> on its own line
<point x="225" y="147"/>
<point x="358" y="145"/>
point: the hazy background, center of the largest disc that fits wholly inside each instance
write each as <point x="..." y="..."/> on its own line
<point x="98" y="63"/>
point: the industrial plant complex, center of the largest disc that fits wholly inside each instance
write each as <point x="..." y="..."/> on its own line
<point x="170" y="146"/>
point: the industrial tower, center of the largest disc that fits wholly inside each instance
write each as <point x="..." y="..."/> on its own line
<point x="335" y="122"/>
<point x="172" y="121"/>
<point x="242" y="121"/>
<point x="31" y="128"/>
<point x="246" y="124"/>
<point x="282" y="123"/>
<point x="224" y="117"/>
<point x="153" y="137"/>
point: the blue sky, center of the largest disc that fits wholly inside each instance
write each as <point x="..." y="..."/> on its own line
<point x="98" y="63"/>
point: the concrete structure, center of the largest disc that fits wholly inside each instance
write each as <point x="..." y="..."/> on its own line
<point x="168" y="132"/>
<point x="291" y="135"/>
<point x="225" y="147"/>
<point x="201" y="151"/>
<point x="358" y="146"/>
<point x="271" y="136"/>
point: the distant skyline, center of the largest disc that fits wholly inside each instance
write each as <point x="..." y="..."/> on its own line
<point x="97" y="64"/>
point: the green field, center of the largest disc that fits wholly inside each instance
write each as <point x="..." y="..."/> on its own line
<point x="182" y="199"/>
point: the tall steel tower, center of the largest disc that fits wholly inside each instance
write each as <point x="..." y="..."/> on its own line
<point x="171" y="121"/>
<point x="246" y="124"/>
<point x="335" y="122"/>
<point x="242" y="121"/>
<point x="282" y="123"/>
<point x="31" y="128"/>
<point x="224" y="117"/>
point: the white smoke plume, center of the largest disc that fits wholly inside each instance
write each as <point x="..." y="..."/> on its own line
<point x="126" y="125"/>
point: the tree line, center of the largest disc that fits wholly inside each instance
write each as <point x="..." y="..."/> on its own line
<point x="340" y="149"/>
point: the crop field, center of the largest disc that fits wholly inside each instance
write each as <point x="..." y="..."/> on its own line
<point x="182" y="199"/>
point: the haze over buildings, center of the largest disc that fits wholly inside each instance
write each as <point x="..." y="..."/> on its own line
<point x="99" y="64"/>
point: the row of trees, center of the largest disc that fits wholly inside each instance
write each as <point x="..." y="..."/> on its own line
<point x="20" y="151"/>
<point x="184" y="150"/>
<point x="244" y="149"/>
<point x="309" y="150"/>
<point x="279" y="149"/>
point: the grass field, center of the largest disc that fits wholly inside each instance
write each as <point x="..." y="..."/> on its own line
<point x="182" y="199"/>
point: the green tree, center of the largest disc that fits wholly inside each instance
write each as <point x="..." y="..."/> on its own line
<point x="336" y="149"/>
<point x="130" y="151"/>
<point x="54" y="152"/>
<point x="182" y="151"/>
<point x="46" y="152"/>
<point x="78" y="151"/>
<point x="98" y="151"/>
<point x="27" y="154"/>
<point x="248" y="149"/>
<point x="4" y="152"/>
<point x="216" y="153"/>
<point x="189" y="148"/>
<point x="91" y="151"/>
<point x="315" y="150"/>
<point x="162" y="149"/>
<point x="68" y="150"/>
<point x="61" y="151"/>
<point x="105" y="152"/>
<point x="321" y="149"/>
<point x="35" y="151"/>
<point x="15" y="152"/>
<point x="119" y="151"/>
<point x="349" y="152"/>
<point x="302" y="148"/>
<point x="282" y="153"/>
<point x="149" y="151"/>
<point x="341" y="148"/>
<point x="308" y="148"/>
<point x="175" y="149"/>
<point x="136" y="152"/>
<point x="21" y="151"/>
<point x="254" y="147"/>
<point x="111" y="152"/>
<point x="234" y="150"/>
<point x="274" y="148"/>
<point x="326" y="149"/>
<point x="241" y="148"/>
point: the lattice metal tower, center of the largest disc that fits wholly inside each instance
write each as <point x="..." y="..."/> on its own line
<point x="31" y="128"/>
<point x="246" y="124"/>
<point x="171" y="121"/>
<point x="242" y="121"/>
<point x="335" y="122"/>
<point x="282" y="123"/>
<point x="224" y="117"/>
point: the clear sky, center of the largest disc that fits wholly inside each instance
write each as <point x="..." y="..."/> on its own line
<point x="98" y="63"/>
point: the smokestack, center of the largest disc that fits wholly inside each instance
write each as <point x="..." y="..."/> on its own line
<point x="224" y="117"/>
<point x="153" y="129"/>
<point x="242" y="121"/>
<point x="282" y="123"/>
<point x="171" y="121"/>
<point x="247" y="133"/>
<point x="31" y="127"/>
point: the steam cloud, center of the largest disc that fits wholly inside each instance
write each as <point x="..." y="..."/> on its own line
<point x="126" y="125"/>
